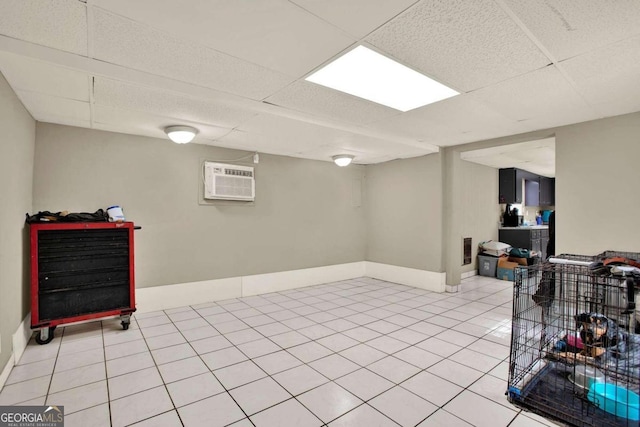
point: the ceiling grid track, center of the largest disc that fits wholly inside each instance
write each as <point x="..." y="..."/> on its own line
<point x="238" y="70"/>
<point x="545" y="51"/>
<point x="358" y="41"/>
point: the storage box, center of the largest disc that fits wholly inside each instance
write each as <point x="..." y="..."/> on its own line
<point x="519" y="261"/>
<point x="487" y="265"/>
<point x="505" y="270"/>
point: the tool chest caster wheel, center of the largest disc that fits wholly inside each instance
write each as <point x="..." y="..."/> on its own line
<point x="45" y="335"/>
<point x="126" y="321"/>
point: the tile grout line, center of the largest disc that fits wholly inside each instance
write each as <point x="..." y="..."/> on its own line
<point x="365" y="367"/>
<point x="106" y="373"/>
<point x="54" y="364"/>
<point x="249" y="359"/>
<point x="164" y="384"/>
<point x="349" y="294"/>
<point x="313" y="340"/>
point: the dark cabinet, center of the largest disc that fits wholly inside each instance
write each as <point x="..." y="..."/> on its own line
<point x="526" y="238"/>
<point x="547" y="191"/>
<point x="544" y="240"/>
<point x="531" y="192"/>
<point x="538" y="190"/>
<point x="510" y="185"/>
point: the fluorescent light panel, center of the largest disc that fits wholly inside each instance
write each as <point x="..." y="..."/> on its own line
<point x="369" y="75"/>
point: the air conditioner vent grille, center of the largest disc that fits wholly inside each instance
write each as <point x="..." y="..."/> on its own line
<point x="229" y="186"/>
<point x="238" y="172"/>
<point x="228" y="182"/>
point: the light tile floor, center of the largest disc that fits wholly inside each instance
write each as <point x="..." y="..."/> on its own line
<point x="361" y="352"/>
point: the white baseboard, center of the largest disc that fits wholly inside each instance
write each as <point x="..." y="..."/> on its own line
<point x="19" y="339"/>
<point x="452" y="288"/>
<point x="284" y="280"/>
<point x="468" y="274"/>
<point x="191" y="293"/>
<point x="182" y="294"/>
<point x="429" y="280"/>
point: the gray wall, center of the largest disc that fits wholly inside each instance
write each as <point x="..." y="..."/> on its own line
<point x="403" y="205"/>
<point x="480" y="210"/>
<point x="304" y="214"/>
<point x="16" y="174"/>
<point x="598" y="186"/>
<point x="470" y="209"/>
<point x="405" y="202"/>
<point x="596" y="183"/>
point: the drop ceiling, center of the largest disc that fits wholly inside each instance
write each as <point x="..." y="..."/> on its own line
<point x="538" y="156"/>
<point x="235" y="69"/>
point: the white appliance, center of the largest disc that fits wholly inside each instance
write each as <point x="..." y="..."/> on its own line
<point x="229" y="182"/>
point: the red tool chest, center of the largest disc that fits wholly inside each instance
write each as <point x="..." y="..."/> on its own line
<point x="80" y="271"/>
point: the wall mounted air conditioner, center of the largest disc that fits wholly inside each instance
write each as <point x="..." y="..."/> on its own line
<point x="228" y="182"/>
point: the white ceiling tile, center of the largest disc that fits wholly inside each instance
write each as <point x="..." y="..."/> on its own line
<point x="283" y="145"/>
<point x="122" y="41"/>
<point x="473" y="136"/>
<point x="59" y="120"/>
<point x="374" y="146"/>
<point x="143" y="123"/>
<point x="241" y="52"/>
<point x="326" y="153"/>
<point x="544" y="96"/>
<point x="513" y="159"/>
<point x="122" y="128"/>
<point x="567" y="28"/>
<point x="374" y="160"/>
<point x="465" y="119"/>
<point x="357" y="17"/>
<point x="417" y="126"/>
<point x="283" y="127"/>
<point x="536" y="156"/>
<point x="466" y="114"/>
<point x="37" y="76"/>
<point x="122" y="95"/>
<point x="61" y="24"/>
<point x="41" y="105"/>
<point x="315" y="99"/>
<point x="364" y="145"/>
<point x="608" y="77"/>
<point x="301" y="137"/>
<point x="275" y="34"/>
<point x="296" y="137"/>
<point x="407" y="154"/>
<point x="464" y="44"/>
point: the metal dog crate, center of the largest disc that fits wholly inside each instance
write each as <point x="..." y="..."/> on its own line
<point x="80" y="271"/>
<point x="568" y="321"/>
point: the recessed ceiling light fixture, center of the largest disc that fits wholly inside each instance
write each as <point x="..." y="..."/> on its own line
<point x="181" y="134"/>
<point x="343" y="159"/>
<point x="372" y="76"/>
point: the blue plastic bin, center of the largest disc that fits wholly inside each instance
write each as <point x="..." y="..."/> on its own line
<point x="615" y="400"/>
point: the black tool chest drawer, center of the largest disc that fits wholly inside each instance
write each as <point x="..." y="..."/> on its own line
<point x="81" y="271"/>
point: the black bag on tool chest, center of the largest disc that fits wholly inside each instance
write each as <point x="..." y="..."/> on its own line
<point x="46" y="216"/>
